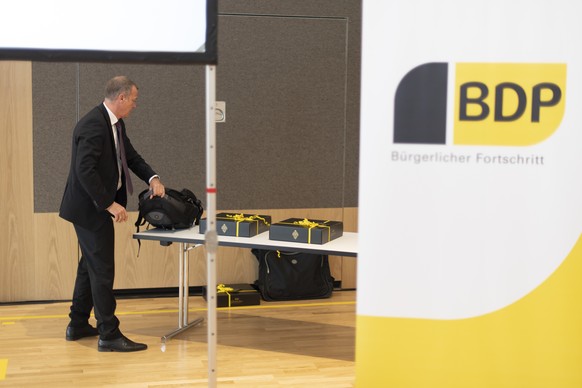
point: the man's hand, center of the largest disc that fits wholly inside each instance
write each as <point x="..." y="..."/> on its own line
<point x="118" y="212"/>
<point x="157" y="188"/>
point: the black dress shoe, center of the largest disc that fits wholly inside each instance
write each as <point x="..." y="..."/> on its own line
<point x="75" y="333"/>
<point x="122" y="344"/>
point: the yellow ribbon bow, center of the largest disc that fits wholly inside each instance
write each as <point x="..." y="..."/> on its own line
<point x="238" y="218"/>
<point x="311" y="224"/>
<point x="221" y="288"/>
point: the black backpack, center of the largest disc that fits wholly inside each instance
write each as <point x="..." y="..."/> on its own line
<point x="175" y="210"/>
<point x="293" y="275"/>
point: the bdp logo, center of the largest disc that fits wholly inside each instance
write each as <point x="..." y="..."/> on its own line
<point x="513" y="104"/>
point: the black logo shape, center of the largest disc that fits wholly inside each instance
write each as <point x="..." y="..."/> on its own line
<point x="420" y="105"/>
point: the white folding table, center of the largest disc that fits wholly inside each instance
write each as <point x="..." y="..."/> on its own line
<point x="346" y="245"/>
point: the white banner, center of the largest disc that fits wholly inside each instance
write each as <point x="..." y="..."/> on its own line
<point x="470" y="163"/>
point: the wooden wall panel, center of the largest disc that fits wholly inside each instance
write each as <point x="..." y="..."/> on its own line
<point x="55" y="257"/>
<point x="156" y="266"/>
<point x="16" y="190"/>
<point x="349" y="264"/>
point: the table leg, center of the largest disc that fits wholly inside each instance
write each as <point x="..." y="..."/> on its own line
<point x="183" y="294"/>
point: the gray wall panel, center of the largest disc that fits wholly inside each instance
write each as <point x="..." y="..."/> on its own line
<point x="54" y="115"/>
<point x="282" y="145"/>
<point x="291" y="86"/>
<point x="317" y="8"/>
<point x="168" y="125"/>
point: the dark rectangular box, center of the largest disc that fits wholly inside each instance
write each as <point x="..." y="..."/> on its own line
<point x="239" y="225"/>
<point x="233" y="295"/>
<point x="306" y="231"/>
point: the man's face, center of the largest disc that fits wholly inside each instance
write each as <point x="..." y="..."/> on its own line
<point x="127" y="103"/>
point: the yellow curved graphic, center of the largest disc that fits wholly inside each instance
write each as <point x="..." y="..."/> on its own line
<point x="533" y="343"/>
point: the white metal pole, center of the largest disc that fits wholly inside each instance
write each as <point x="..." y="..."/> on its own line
<point x="211" y="239"/>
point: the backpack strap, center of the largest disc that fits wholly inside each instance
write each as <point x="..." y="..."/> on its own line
<point x="140" y="222"/>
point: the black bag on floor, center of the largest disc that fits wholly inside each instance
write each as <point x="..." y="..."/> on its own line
<point x="175" y="210"/>
<point x="293" y="275"/>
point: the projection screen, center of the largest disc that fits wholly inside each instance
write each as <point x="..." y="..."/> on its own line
<point x="128" y="31"/>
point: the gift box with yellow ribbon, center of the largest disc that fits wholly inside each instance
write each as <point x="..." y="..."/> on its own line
<point x="233" y="295"/>
<point x="306" y="231"/>
<point x="239" y="224"/>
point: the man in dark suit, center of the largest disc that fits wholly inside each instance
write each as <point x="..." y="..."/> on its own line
<point x="95" y="196"/>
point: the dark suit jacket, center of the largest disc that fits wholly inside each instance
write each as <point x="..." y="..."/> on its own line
<point x="92" y="183"/>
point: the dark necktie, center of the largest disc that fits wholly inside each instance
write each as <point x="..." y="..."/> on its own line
<point x="122" y="157"/>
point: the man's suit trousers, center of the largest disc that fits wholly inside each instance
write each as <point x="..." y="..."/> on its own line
<point x="94" y="283"/>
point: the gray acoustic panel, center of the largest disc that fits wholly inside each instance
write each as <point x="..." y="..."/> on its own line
<point x="54" y="115"/>
<point x="284" y="84"/>
<point x="319" y="8"/>
<point x="351" y="11"/>
<point x="290" y="140"/>
<point x="167" y="127"/>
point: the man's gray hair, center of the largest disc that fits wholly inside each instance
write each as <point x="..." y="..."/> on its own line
<point x="117" y="85"/>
